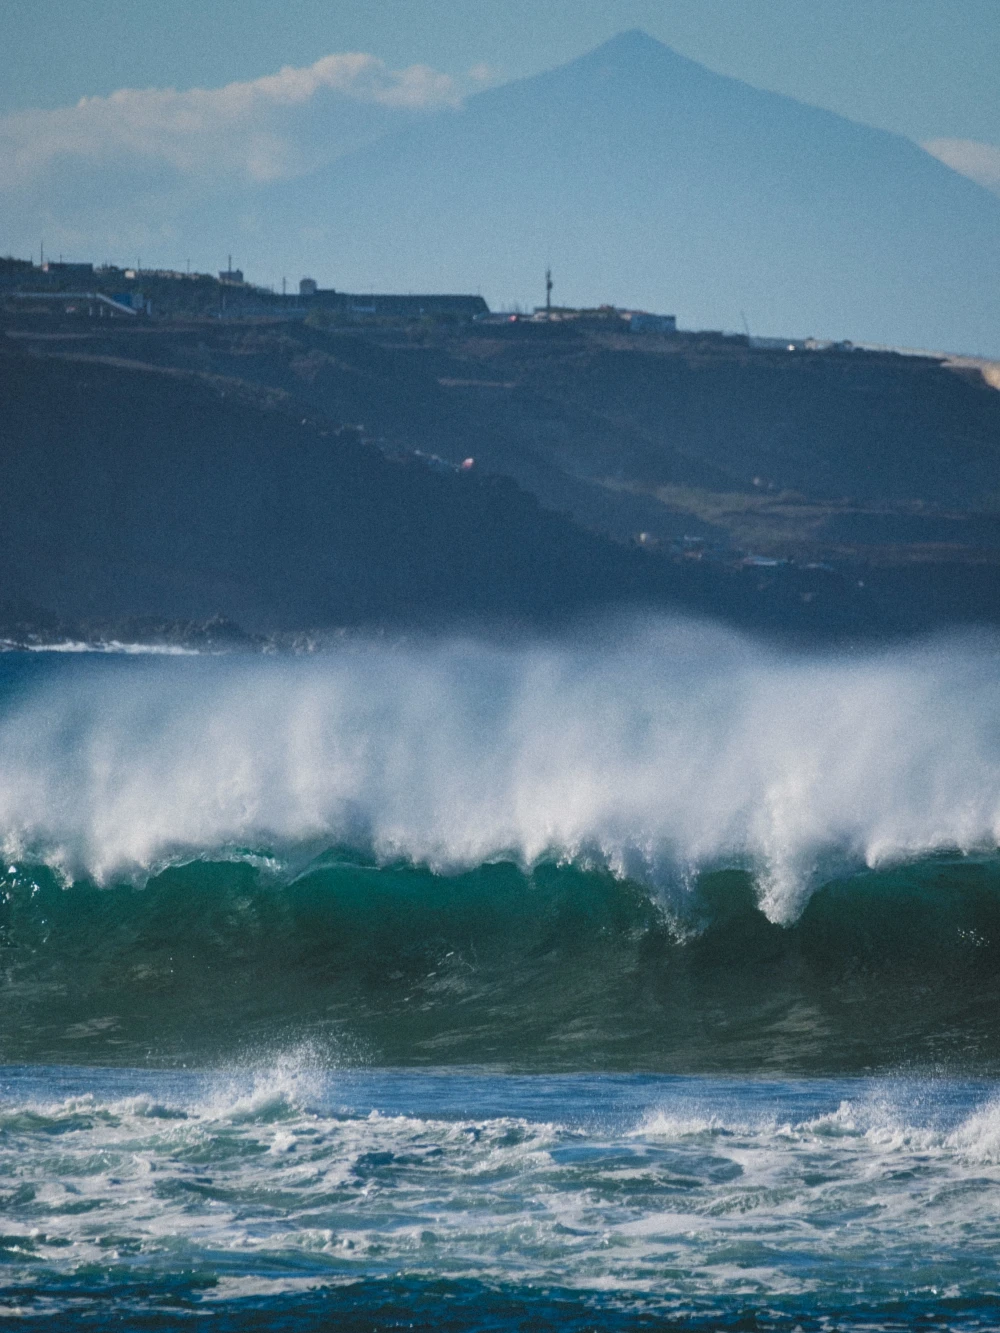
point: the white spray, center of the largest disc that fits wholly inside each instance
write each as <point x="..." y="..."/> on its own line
<point x="665" y="749"/>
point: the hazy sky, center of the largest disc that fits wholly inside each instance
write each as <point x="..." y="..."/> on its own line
<point x="924" y="68"/>
<point x="162" y="132"/>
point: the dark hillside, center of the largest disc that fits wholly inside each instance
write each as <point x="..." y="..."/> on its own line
<point x="142" y="491"/>
<point x="811" y="454"/>
<point x="152" y="488"/>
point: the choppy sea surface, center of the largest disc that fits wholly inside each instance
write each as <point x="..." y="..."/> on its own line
<point x="462" y="1198"/>
<point x="647" y="978"/>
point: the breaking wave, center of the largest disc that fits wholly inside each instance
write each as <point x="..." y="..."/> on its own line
<point x="657" y="753"/>
<point x="665" y="848"/>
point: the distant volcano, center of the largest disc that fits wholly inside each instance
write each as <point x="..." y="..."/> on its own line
<point x="645" y="179"/>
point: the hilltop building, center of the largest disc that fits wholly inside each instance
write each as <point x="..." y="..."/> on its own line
<point x="387" y="305"/>
<point x="67" y="270"/>
<point x="641" y="321"/>
<point x="82" y="288"/>
<point x="14" y="270"/>
<point x="637" y="321"/>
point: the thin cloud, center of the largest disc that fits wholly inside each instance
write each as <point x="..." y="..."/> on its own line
<point x="969" y="157"/>
<point x="260" y="130"/>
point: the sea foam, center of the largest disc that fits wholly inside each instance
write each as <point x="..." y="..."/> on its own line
<point x="657" y="750"/>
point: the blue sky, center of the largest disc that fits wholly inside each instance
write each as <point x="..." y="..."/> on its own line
<point x="923" y="68"/>
<point x="231" y="96"/>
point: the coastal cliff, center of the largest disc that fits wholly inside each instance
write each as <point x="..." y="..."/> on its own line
<point x="293" y="479"/>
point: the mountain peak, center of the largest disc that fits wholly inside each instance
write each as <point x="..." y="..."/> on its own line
<point x="655" y="182"/>
<point x="634" y="39"/>
<point x="635" y="52"/>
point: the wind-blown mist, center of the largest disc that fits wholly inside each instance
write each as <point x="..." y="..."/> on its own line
<point x="658" y="752"/>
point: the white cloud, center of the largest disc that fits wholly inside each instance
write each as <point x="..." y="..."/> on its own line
<point x="484" y="74"/>
<point x="969" y="157"/>
<point x="261" y="130"/>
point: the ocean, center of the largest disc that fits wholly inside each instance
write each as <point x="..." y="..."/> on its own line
<point x="643" y="977"/>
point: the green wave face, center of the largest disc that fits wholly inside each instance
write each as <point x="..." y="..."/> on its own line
<point x="561" y="968"/>
<point x="655" y="846"/>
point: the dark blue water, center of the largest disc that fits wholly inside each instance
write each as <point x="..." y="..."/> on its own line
<point x="648" y="981"/>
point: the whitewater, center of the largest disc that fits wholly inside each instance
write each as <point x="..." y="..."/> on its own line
<point x="644" y="976"/>
<point x="301" y="1199"/>
<point x="656" y="753"/>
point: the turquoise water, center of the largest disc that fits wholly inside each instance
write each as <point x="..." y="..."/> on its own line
<point x="647" y="980"/>
<point x="552" y="969"/>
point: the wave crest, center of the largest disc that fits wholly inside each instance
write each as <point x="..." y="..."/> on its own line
<point x="658" y="753"/>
